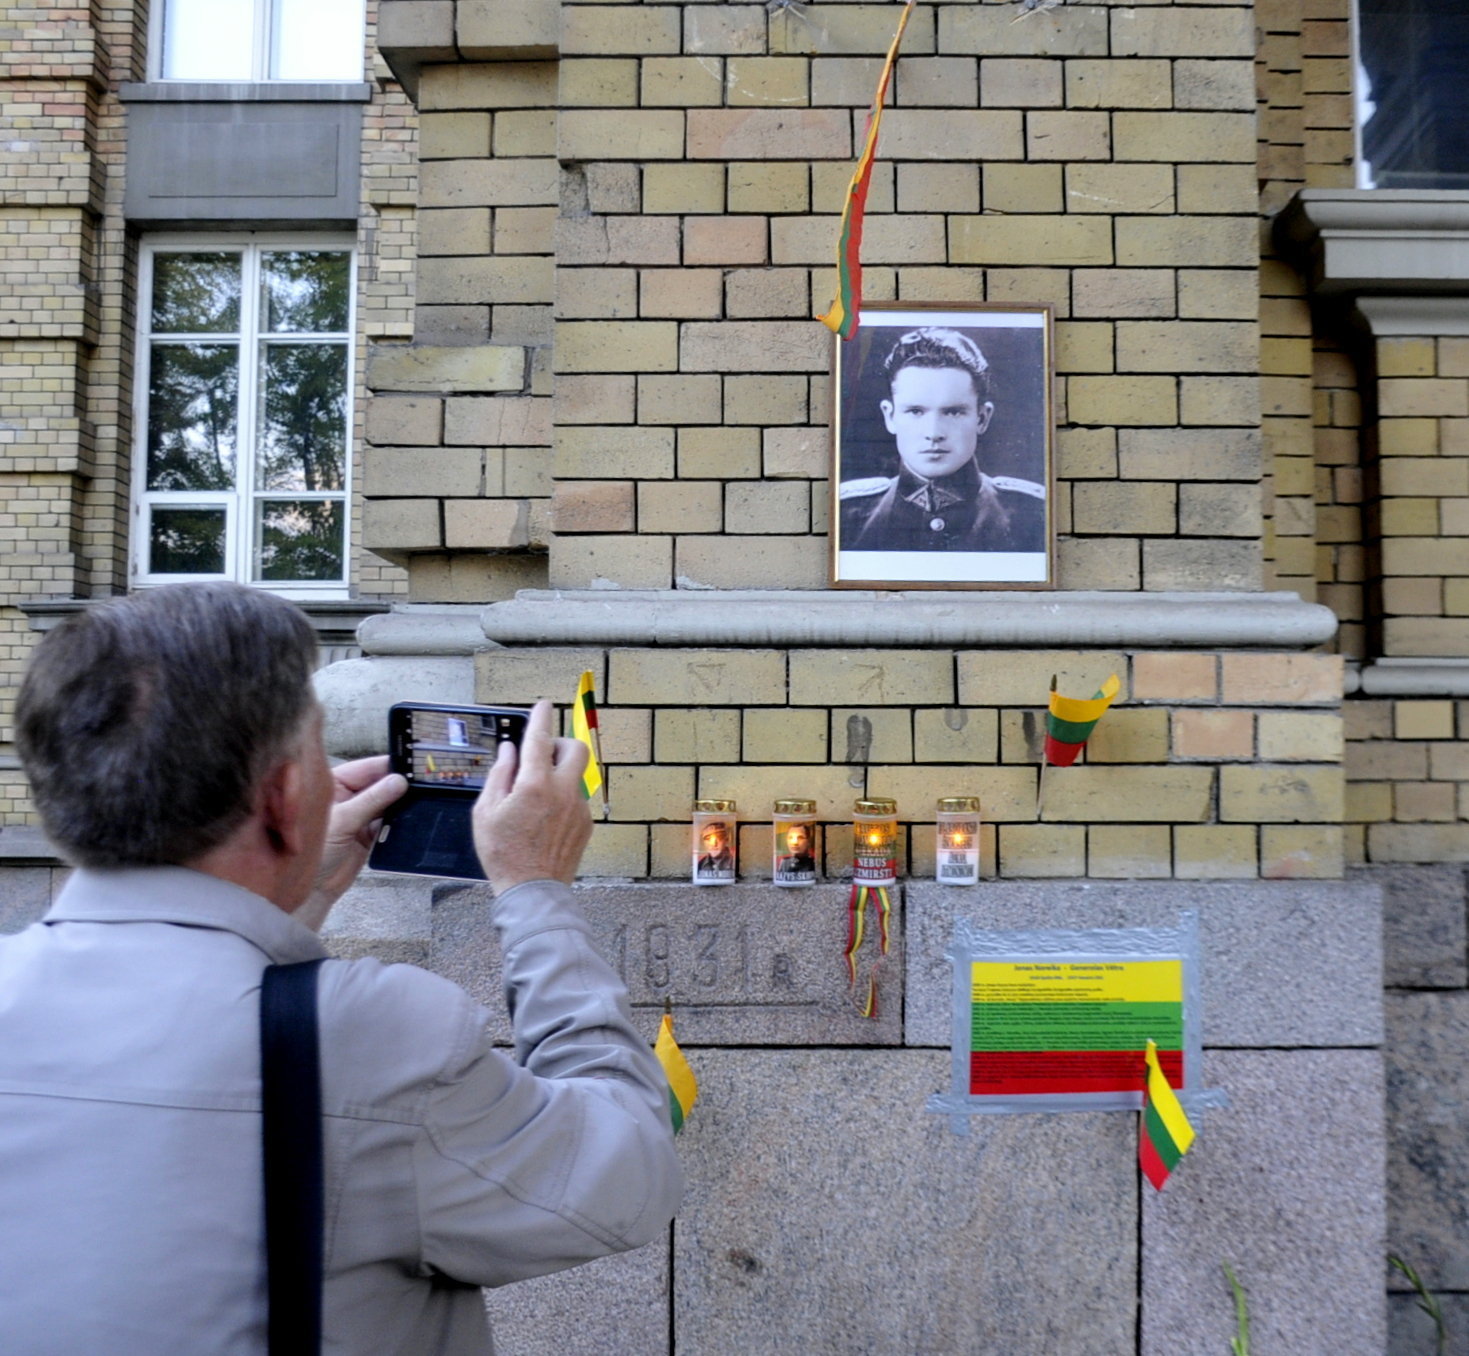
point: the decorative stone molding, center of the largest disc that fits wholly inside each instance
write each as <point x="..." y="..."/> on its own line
<point x="1351" y="241"/>
<point x="926" y="619"/>
<point x="1416" y="678"/>
<point x="434" y="630"/>
<point x="1389" y="317"/>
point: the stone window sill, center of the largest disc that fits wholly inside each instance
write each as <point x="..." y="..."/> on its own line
<point x="247" y="91"/>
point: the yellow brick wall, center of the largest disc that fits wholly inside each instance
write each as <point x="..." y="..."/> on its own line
<point x="665" y="197"/>
<point x="458" y="482"/>
<point x="1371" y="518"/>
<point x="1407" y="766"/>
<point x="1303" y="74"/>
<point x="1076" y="158"/>
<point x="68" y="270"/>
<point x="1211" y="765"/>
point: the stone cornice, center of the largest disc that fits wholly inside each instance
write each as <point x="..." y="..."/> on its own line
<point x="1416" y="678"/>
<point x="1354" y="241"/>
<point x="803" y="618"/>
<point x="414" y="33"/>
<point x="1417" y="315"/>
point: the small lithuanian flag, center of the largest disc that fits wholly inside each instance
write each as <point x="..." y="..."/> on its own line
<point x="1165" y="1133"/>
<point x="683" y="1087"/>
<point x="584" y="728"/>
<point x="1071" y="720"/>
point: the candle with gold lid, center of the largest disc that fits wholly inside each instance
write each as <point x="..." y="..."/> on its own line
<point x="714" y="842"/>
<point x="956" y="851"/>
<point x="875" y="841"/>
<point x="793" y="842"/>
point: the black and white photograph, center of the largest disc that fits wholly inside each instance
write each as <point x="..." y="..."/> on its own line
<point x="942" y="433"/>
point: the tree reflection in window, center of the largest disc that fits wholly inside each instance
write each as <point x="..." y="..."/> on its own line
<point x="303" y="424"/>
<point x="300" y="540"/>
<point x="187" y="541"/>
<point x="196" y="293"/>
<point x="305" y="291"/>
<point x="193" y="400"/>
<point x="249" y="382"/>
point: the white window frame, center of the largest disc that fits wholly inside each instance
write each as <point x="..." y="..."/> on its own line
<point x="264" y="12"/>
<point x="239" y="503"/>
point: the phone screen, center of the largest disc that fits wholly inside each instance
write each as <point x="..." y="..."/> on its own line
<point x="445" y="752"/>
<point x="451" y="747"/>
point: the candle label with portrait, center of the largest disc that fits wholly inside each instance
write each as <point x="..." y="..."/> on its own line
<point x="714" y="826"/>
<point x="793" y="843"/>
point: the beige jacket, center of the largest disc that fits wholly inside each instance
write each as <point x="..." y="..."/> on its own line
<point x="130" y="1193"/>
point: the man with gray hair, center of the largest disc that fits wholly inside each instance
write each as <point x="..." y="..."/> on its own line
<point x="174" y="747"/>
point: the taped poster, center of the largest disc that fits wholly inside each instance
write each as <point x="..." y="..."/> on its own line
<point x="1060" y="1020"/>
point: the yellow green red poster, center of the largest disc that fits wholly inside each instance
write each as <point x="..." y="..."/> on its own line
<point x="1061" y="1020"/>
<point x="1054" y="1026"/>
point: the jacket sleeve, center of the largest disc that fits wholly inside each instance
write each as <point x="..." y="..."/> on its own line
<point x="564" y="1153"/>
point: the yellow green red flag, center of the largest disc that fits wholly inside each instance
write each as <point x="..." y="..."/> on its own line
<point x="683" y="1087"/>
<point x="1165" y="1134"/>
<point x="1071" y="720"/>
<point x="842" y="318"/>
<point x="583" y="728"/>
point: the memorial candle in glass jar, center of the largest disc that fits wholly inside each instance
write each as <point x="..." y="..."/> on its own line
<point x="875" y="842"/>
<point x="956" y="855"/>
<point x="714" y="843"/>
<point x="793" y="843"/>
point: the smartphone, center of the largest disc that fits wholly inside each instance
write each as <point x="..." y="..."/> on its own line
<point x="445" y="753"/>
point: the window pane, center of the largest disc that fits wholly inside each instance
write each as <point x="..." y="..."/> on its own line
<point x="196" y="293"/>
<point x="209" y="39"/>
<point x="186" y="541"/>
<point x="318" y="40"/>
<point x="303" y="421"/>
<point x="301" y="539"/>
<point x="1413" y="105"/>
<point x="305" y="292"/>
<point x="192" y="402"/>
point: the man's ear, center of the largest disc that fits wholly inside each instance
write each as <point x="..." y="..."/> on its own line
<point x="281" y="806"/>
<point x="986" y="413"/>
<point x="887" y="415"/>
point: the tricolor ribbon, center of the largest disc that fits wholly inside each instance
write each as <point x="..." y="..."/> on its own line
<point x="857" y="903"/>
<point x="842" y="318"/>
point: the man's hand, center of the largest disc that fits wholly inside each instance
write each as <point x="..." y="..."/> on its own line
<point x="531" y="821"/>
<point x="364" y="789"/>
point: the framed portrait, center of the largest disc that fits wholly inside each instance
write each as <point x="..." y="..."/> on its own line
<point x="942" y="449"/>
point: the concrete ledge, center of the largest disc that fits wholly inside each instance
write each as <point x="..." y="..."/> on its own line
<point x="794" y="617"/>
<point x="356" y="694"/>
<point x="27" y="845"/>
<point x="436" y="630"/>
<point x="1416" y="678"/>
<point x="1386" y="316"/>
<point x="246" y="91"/>
<point x="414" y="33"/>
<point x="1379" y="240"/>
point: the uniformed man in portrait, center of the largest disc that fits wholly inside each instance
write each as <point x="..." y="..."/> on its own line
<point x="937" y="409"/>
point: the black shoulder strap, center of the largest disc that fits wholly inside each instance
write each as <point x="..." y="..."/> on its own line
<point x="290" y="1075"/>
